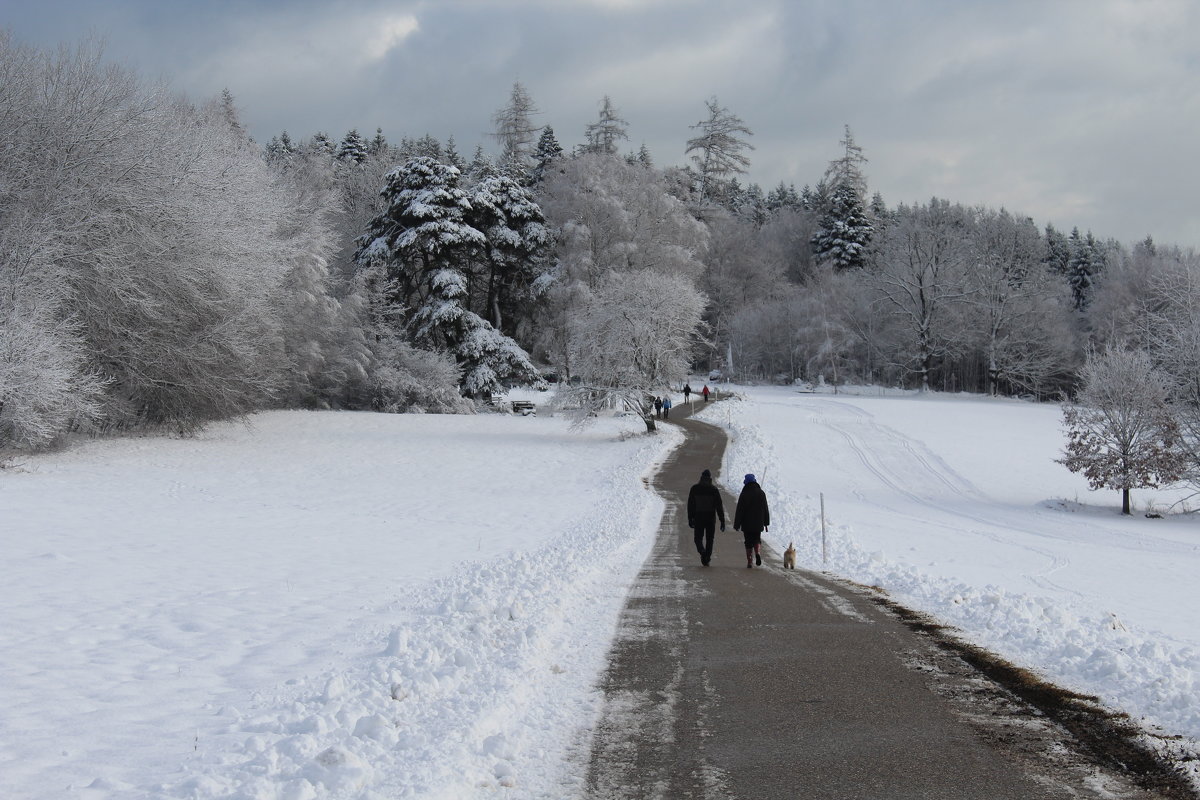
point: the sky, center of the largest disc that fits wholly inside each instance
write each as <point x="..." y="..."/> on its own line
<point x="1079" y="113"/>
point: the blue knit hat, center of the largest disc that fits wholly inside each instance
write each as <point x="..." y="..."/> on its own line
<point x="749" y="478"/>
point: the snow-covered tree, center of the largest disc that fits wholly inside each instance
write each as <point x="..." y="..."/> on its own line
<point x="602" y="135"/>
<point x="843" y="237"/>
<point x="320" y="143"/>
<point x="515" y="130"/>
<point x="517" y="239"/>
<point x="633" y="339"/>
<point x="424" y="242"/>
<point x="921" y="275"/>
<point x="353" y="148"/>
<point x="1016" y="307"/>
<point x="1121" y="433"/>
<point x="610" y="216"/>
<point x="847" y="169"/>
<point x="547" y="152"/>
<point x="719" y="150"/>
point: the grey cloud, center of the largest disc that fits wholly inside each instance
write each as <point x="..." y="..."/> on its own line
<point x="1079" y="113"/>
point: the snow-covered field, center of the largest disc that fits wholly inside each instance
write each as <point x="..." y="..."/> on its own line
<point x="954" y="505"/>
<point x="325" y="605"/>
<point x="317" y="605"/>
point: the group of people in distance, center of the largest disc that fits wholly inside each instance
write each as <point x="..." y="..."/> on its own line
<point x="751" y="516"/>
<point x="662" y="405"/>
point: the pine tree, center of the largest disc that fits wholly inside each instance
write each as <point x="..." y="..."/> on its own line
<point x="643" y="157"/>
<point x="452" y="156"/>
<point x="379" y="144"/>
<point x="353" y="148"/>
<point x="517" y="240"/>
<point x="429" y="147"/>
<point x="1058" y="251"/>
<point x="603" y="134"/>
<point x="844" y="235"/>
<point x="321" y="144"/>
<point x="425" y="243"/>
<point x="719" y="148"/>
<point x="1080" y="268"/>
<point x="547" y="152"/>
<point x="847" y="170"/>
<point x="515" y="130"/>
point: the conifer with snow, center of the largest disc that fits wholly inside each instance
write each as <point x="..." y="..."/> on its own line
<point x="425" y="243"/>
<point x="353" y="148"/>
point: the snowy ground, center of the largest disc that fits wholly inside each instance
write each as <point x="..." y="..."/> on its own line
<point x="356" y="605"/>
<point x="317" y="605"/>
<point x="954" y="505"/>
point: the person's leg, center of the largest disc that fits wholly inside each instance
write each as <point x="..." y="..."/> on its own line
<point x="710" y="529"/>
<point x="698" y="538"/>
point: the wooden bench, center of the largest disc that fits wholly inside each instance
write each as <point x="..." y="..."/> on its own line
<point x="524" y="407"/>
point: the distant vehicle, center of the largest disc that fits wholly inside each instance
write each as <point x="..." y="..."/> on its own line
<point x="715" y="375"/>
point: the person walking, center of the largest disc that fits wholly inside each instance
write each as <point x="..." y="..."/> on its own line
<point x="687" y="392"/>
<point x="658" y="407"/>
<point x="666" y="407"/>
<point x="705" y="392"/>
<point x="752" y="517"/>
<point x="704" y="506"/>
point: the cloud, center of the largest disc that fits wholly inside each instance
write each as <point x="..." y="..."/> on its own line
<point x="389" y="33"/>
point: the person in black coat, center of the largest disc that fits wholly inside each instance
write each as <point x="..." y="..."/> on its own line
<point x="703" y="507"/>
<point x="752" y="517"/>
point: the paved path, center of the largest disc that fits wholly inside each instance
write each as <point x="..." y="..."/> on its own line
<point x="728" y="682"/>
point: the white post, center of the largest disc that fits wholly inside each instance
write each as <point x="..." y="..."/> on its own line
<point x="824" y="551"/>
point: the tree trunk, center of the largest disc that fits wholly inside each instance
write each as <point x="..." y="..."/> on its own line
<point x="650" y="426"/>
<point x="1125" y="502"/>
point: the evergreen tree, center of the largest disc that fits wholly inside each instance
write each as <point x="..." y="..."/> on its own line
<point x="353" y="148"/>
<point x="643" y="157"/>
<point x="548" y="151"/>
<point x="844" y="235"/>
<point x="1058" y="251"/>
<point x="1080" y="268"/>
<point x="719" y="147"/>
<point x="783" y="196"/>
<point x="603" y="134"/>
<point x="517" y="240"/>
<point x="321" y="144"/>
<point x="428" y="147"/>
<point x="452" y="156"/>
<point x="515" y="130"/>
<point x="379" y="144"/>
<point x="847" y="170"/>
<point x="425" y="242"/>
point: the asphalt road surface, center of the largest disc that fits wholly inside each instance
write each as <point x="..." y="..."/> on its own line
<point x="728" y="682"/>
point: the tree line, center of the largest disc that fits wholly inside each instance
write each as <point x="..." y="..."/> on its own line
<point x="159" y="269"/>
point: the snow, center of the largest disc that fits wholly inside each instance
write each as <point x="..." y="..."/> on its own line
<point x="318" y="604"/>
<point x="328" y="605"/>
<point x="954" y="505"/>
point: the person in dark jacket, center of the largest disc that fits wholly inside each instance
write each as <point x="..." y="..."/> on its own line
<point x="752" y="517"/>
<point x="658" y="406"/>
<point x="703" y="507"/>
